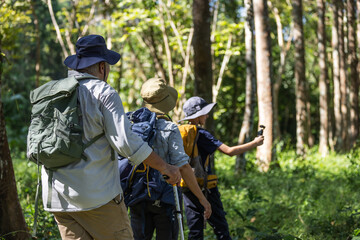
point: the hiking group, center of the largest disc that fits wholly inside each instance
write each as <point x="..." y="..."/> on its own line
<point x="96" y="161"/>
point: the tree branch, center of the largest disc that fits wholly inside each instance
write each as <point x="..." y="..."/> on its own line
<point x="57" y="29"/>
<point x="91" y="14"/>
<point x="178" y="38"/>
<point x="178" y="111"/>
<point x="149" y="42"/>
<point x="167" y="48"/>
<point x="222" y="69"/>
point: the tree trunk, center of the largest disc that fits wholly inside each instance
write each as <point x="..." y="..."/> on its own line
<point x="250" y="101"/>
<point x="277" y="84"/>
<point x="358" y="27"/>
<point x="12" y="222"/>
<point x="202" y="53"/>
<point x="263" y="62"/>
<point x="37" y="34"/>
<point x="301" y="97"/>
<point x="353" y="62"/>
<point x="336" y="76"/>
<point x="323" y="87"/>
<point x="343" y="77"/>
<point x="331" y="138"/>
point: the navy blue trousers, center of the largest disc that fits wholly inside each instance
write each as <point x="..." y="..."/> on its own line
<point x="146" y="217"/>
<point x="194" y="212"/>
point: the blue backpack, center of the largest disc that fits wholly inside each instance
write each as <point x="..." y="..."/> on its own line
<point x="141" y="182"/>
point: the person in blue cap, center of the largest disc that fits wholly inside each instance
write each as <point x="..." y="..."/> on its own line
<point x="86" y="197"/>
<point x="196" y="111"/>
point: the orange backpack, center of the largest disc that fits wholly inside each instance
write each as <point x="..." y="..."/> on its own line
<point x="189" y="134"/>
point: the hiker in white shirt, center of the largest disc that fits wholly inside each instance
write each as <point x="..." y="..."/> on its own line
<point x="86" y="197"/>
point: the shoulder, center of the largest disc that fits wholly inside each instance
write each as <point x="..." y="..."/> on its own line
<point x="205" y="133"/>
<point x="162" y="124"/>
<point x="97" y="86"/>
<point x="206" y="136"/>
<point x="99" y="90"/>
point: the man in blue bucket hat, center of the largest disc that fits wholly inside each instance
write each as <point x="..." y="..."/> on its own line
<point x="86" y="196"/>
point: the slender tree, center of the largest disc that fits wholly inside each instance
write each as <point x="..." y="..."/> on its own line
<point x="12" y="222"/>
<point x="263" y="62"/>
<point x="37" y="36"/>
<point x="343" y="77"/>
<point x="353" y="76"/>
<point x="202" y="53"/>
<point x="202" y="49"/>
<point x="284" y="48"/>
<point x="323" y="87"/>
<point x="336" y="76"/>
<point x="250" y="86"/>
<point x="358" y="27"/>
<point x="57" y="29"/>
<point x="300" y="84"/>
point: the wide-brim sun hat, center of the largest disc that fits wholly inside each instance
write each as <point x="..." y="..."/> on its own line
<point x="195" y="107"/>
<point x="158" y="96"/>
<point x="90" y="50"/>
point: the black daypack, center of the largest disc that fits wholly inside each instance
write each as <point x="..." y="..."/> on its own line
<point x="142" y="182"/>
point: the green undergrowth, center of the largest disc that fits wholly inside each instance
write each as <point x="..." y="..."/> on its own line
<point x="313" y="198"/>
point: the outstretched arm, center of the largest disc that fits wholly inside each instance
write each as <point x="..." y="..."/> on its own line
<point x="190" y="180"/>
<point x="239" y="149"/>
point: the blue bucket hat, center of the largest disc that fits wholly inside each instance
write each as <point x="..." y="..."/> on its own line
<point x="195" y="107"/>
<point x="91" y="49"/>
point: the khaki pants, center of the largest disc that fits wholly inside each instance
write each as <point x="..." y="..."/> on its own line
<point x="110" y="221"/>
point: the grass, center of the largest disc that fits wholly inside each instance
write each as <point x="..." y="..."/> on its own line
<point x="313" y="198"/>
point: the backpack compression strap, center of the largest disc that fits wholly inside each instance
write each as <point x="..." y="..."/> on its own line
<point x="164" y="116"/>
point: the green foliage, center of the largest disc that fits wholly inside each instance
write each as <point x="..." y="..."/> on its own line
<point x="13" y="28"/>
<point x="26" y="174"/>
<point x="313" y="198"/>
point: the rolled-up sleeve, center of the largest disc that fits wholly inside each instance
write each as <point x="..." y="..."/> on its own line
<point x="118" y="132"/>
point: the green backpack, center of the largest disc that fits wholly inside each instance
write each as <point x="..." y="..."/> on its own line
<point x="55" y="132"/>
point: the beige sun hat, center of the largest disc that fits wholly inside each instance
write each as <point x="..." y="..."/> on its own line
<point x="158" y="96"/>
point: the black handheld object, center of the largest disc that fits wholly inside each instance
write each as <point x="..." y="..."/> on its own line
<point x="166" y="177"/>
<point x="261" y="131"/>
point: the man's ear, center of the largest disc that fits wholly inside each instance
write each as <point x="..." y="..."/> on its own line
<point x="102" y="67"/>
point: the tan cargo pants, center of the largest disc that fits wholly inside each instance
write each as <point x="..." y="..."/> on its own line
<point x="110" y="221"/>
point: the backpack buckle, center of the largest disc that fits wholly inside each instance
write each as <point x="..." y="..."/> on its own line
<point x="157" y="203"/>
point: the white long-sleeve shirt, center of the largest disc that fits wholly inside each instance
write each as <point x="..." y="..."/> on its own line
<point x="92" y="183"/>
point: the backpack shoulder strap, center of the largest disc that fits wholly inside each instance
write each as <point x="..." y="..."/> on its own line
<point x="195" y="142"/>
<point x="94" y="140"/>
<point x="85" y="77"/>
<point x="164" y="116"/>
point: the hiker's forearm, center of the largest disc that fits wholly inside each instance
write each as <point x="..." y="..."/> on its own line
<point x="156" y="162"/>
<point x="188" y="175"/>
<point x="239" y="149"/>
<point x="236" y="150"/>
